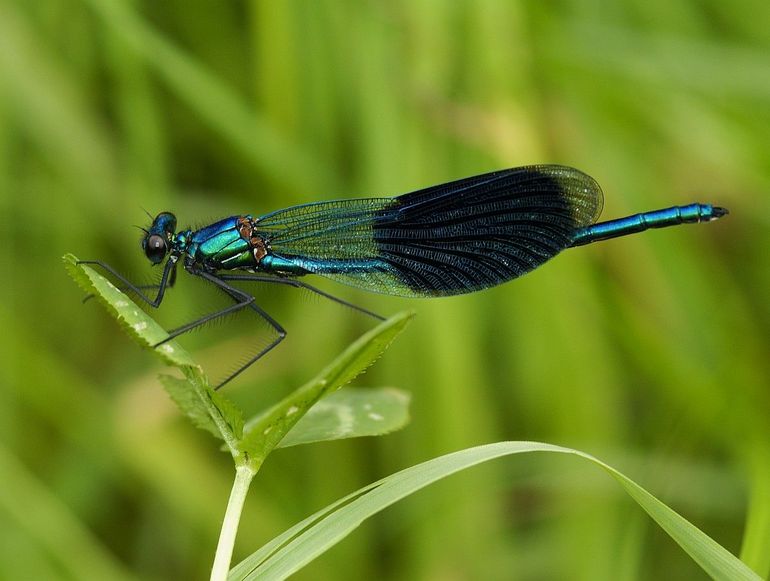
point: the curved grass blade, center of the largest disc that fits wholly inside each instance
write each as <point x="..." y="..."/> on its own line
<point x="266" y="431"/>
<point x="351" y="413"/>
<point x="304" y="542"/>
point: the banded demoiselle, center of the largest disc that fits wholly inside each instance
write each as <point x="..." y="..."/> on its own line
<point x="448" y="239"/>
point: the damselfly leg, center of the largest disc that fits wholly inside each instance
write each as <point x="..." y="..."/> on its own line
<point x="293" y="282"/>
<point x="242" y="300"/>
<point x="167" y="280"/>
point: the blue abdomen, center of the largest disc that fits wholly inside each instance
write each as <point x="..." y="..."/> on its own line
<point x="689" y="214"/>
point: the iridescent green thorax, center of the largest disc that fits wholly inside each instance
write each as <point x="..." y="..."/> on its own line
<point x="222" y="246"/>
<point x="181" y="241"/>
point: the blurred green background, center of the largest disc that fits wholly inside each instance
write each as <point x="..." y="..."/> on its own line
<point x="649" y="351"/>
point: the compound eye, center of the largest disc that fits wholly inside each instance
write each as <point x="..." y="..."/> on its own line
<point x="155" y="249"/>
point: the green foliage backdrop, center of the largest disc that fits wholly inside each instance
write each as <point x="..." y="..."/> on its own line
<point x="649" y="351"/>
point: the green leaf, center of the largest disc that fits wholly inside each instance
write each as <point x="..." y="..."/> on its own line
<point x="189" y="402"/>
<point x="351" y="413"/>
<point x="207" y="409"/>
<point x="315" y="535"/>
<point x="264" y="432"/>
<point x="199" y="404"/>
<point x="138" y="323"/>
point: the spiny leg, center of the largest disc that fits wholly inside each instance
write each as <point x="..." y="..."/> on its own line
<point x="235" y="293"/>
<point x="168" y="279"/>
<point x="281" y="335"/>
<point x="155" y="286"/>
<point x="123" y="289"/>
<point x="298" y="284"/>
<point x="242" y="300"/>
<point x="239" y="304"/>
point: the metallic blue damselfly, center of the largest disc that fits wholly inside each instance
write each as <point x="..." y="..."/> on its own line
<point x="448" y="239"/>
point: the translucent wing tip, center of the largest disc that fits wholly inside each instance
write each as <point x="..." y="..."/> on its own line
<point x="583" y="192"/>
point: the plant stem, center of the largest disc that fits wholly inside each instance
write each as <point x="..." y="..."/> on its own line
<point x="221" y="567"/>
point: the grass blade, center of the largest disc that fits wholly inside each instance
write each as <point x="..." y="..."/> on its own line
<point x="308" y="543"/>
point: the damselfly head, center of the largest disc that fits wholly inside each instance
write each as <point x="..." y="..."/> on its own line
<point x="157" y="241"/>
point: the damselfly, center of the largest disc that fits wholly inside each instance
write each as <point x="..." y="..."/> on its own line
<point x="448" y="239"/>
